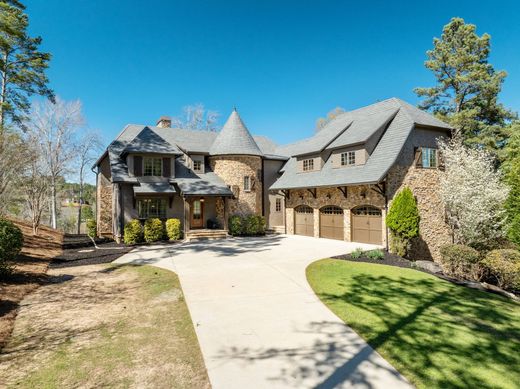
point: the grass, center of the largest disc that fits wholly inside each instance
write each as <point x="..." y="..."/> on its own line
<point x="437" y="334"/>
<point x="148" y="339"/>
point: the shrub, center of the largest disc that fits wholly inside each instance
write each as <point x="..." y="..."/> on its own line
<point x="512" y="204"/>
<point x="357" y="253"/>
<point x="133" y="233"/>
<point x="91" y="228"/>
<point x="403" y="221"/>
<point x="261" y="224"/>
<point x="504" y="265"/>
<point x="153" y="230"/>
<point x="11" y="242"/>
<point x="173" y="229"/>
<point x="235" y="225"/>
<point x="461" y="261"/>
<point x="375" y="254"/>
<point x="251" y="225"/>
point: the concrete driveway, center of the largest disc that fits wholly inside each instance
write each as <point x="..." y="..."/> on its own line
<point x="258" y="321"/>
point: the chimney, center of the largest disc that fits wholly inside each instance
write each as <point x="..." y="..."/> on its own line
<point x="164" y="122"/>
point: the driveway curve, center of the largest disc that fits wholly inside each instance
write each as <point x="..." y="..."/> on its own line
<point x="258" y="321"/>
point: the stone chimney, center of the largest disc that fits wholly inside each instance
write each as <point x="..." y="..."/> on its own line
<point x="164" y="122"/>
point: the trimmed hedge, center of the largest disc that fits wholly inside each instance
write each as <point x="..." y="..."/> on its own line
<point x="91" y="228"/>
<point x="173" y="229"/>
<point x="153" y="230"/>
<point x="249" y="225"/>
<point x="11" y="242"/>
<point x="461" y="261"/>
<point x="133" y="233"/>
<point x="504" y="265"/>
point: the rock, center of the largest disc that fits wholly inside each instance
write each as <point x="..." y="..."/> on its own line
<point x="430" y="266"/>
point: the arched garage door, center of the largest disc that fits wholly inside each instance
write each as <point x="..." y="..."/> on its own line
<point x="331" y="223"/>
<point x="367" y="225"/>
<point x="304" y="220"/>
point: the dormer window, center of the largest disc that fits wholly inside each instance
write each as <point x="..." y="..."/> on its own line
<point x="152" y="166"/>
<point x="197" y="166"/>
<point x="308" y="165"/>
<point x="348" y="158"/>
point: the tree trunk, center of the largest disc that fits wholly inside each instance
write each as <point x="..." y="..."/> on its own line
<point x="54" y="218"/>
<point x="80" y="204"/>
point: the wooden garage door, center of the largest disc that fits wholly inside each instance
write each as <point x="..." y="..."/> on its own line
<point x="331" y="223"/>
<point x="367" y="225"/>
<point x="304" y="220"/>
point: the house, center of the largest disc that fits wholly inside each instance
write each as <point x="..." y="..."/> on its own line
<point x="336" y="184"/>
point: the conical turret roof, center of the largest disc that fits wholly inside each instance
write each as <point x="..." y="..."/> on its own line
<point x="234" y="139"/>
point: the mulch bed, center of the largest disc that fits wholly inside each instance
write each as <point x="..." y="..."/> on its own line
<point x="389" y="259"/>
<point x="82" y="256"/>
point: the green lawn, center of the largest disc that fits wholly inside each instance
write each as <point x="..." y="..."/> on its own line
<point x="436" y="334"/>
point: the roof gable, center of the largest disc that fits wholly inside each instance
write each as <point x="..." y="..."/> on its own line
<point x="148" y="141"/>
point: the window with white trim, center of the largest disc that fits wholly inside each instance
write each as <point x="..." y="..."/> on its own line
<point x="152" y="207"/>
<point x="348" y="158"/>
<point x="197" y="166"/>
<point x="278" y="205"/>
<point x="247" y="184"/>
<point x="152" y="166"/>
<point x="308" y="165"/>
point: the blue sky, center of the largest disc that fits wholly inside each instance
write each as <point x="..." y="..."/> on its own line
<point x="282" y="63"/>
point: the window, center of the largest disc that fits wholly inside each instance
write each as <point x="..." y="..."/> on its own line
<point x="152" y="166"/>
<point x="151" y="208"/>
<point x="278" y="205"/>
<point x="197" y="166"/>
<point x="348" y="158"/>
<point x="308" y="165"/>
<point x="428" y="157"/>
<point x="247" y="184"/>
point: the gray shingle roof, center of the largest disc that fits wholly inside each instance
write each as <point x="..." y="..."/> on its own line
<point x="382" y="158"/>
<point x="234" y="139"/>
<point x="191" y="183"/>
<point x="148" y="141"/>
<point x="154" y="187"/>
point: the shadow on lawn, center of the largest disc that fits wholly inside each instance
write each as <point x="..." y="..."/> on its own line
<point x="424" y="322"/>
<point x="436" y="328"/>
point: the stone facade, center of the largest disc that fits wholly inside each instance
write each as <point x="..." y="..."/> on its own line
<point x="104" y="204"/>
<point x="232" y="170"/>
<point x="356" y="196"/>
<point x="433" y="230"/>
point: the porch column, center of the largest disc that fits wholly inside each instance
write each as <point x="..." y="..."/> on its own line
<point x="224" y="199"/>
<point x="186" y="216"/>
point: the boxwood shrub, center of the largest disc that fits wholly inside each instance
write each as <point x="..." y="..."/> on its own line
<point x="248" y="225"/>
<point x="11" y="242"/>
<point x="153" y="230"/>
<point x="461" y="262"/>
<point x="91" y="228"/>
<point x="173" y="229"/>
<point x="235" y="225"/>
<point x="133" y="232"/>
<point x="504" y="265"/>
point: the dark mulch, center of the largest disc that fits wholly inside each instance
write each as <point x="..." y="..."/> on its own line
<point x="389" y="259"/>
<point x="81" y="256"/>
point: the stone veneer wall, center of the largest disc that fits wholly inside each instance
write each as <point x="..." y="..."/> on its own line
<point x="104" y="200"/>
<point x="356" y="195"/>
<point x="232" y="170"/>
<point x="424" y="183"/>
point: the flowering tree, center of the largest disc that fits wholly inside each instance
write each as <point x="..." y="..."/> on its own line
<point x="473" y="195"/>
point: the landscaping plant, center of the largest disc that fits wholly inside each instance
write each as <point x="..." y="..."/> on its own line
<point x="235" y="225"/>
<point x="504" y="265"/>
<point x="153" y="230"/>
<point x="403" y="222"/>
<point x="357" y="253"/>
<point x="91" y="228"/>
<point x="11" y="242"/>
<point x="513" y="202"/>
<point x="375" y="254"/>
<point x="461" y="262"/>
<point x="173" y="229"/>
<point x="133" y="232"/>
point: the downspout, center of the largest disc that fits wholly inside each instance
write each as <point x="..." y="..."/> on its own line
<point x="263" y="187"/>
<point x="386" y="213"/>
<point x="96" y="172"/>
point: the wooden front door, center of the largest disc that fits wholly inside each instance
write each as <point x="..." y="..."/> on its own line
<point x="197" y="214"/>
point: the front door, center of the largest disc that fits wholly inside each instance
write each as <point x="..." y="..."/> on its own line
<point x="197" y="212"/>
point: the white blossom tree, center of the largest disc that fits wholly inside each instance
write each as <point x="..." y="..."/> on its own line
<point x="54" y="126"/>
<point x="473" y="195"/>
<point x="196" y="117"/>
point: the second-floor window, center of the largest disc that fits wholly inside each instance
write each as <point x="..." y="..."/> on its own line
<point x="197" y="166"/>
<point x="348" y="158"/>
<point x="428" y="157"/>
<point x="308" y="165"/>
<point x="247" y="184"/>
<point x="152" y="166"/>
<point x="278" y="205"/>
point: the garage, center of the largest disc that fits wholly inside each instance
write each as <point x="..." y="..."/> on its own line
<point x="304" y="220"/>
<point x="367" y="225"/>
<point x="331" y="223"/>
